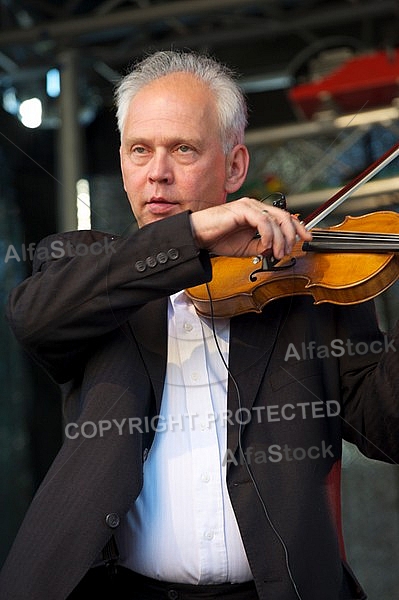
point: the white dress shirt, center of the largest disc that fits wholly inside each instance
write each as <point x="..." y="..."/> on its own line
<point x="182" y="527"/>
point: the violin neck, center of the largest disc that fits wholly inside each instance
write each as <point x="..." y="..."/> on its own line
<point x="350" y="241"/>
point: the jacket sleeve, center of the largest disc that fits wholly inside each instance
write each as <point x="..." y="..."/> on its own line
<point x="370" y="383"/>
<point x="86" y="284"/>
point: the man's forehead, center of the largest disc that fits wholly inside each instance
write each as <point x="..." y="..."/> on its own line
<point x="173" y="101"/>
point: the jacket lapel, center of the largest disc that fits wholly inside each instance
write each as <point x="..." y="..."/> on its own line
<point x="149" y="327"/>
<point x="252" y="340"/>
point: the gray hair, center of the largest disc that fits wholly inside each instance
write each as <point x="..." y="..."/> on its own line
<point x="230" y="101"/>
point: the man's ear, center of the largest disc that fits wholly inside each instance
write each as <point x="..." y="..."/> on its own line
<point x="237" y="162"/>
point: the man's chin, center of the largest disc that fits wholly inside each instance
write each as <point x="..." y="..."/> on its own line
<point x="152" y="216"/>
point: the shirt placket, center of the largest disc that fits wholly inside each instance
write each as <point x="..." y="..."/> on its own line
<point x="205" y="455"/>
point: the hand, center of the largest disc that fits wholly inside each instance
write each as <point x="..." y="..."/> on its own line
<point x="247" y="227"/>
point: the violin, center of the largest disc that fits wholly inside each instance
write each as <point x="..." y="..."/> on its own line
<point x="347" y="263"/>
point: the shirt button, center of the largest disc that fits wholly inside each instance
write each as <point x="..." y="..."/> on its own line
<point x="187" y="326"/>
<point x="195" y="376"/>
<point x="209" y="535"/>
<point x="205" y="477"/>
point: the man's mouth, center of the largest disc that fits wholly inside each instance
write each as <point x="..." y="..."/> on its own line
<point x="159" y="205"/>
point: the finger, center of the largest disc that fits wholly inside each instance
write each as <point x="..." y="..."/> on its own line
<point x="290" y="225"/>
<point x="272" y="235"/>
<point x="288" y="230"/>
<point x="301" y="230"/>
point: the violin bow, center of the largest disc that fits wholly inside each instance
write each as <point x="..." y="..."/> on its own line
<point x="331" y="204"/>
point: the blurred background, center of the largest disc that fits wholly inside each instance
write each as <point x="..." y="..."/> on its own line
<point x="322" y="82"/>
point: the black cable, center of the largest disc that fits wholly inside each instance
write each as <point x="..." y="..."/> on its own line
<point x="244" y="458"/>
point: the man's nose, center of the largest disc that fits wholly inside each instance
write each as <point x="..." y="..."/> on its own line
<point x="160" y="168"/>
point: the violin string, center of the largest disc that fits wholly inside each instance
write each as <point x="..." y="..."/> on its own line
<point x="356" y="235"/>
<point x="244" y="458"/>
<point x="355" y="240"/>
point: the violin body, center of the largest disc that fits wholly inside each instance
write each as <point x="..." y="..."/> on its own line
<point x="332" y="274"/>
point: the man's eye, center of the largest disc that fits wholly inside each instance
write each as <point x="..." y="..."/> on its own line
<point x="184" y="149"/>
<point x="138" y="150"/>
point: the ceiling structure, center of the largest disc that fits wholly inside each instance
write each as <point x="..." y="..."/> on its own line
<point x="273" y="44"/>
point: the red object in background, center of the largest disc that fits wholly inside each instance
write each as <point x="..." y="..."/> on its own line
<point x="363" y="82"/>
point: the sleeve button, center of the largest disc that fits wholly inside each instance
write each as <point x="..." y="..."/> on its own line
<point x="162" y="257"/>
<point x="140" y="266"/>
<point x="151" y="261"/>
<point x="173" y="253"/>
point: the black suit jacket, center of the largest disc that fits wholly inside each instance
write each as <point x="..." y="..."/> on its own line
<point x="96" y="321"/>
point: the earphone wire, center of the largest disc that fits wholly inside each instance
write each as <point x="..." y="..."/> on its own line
<point x="244" y="458"/>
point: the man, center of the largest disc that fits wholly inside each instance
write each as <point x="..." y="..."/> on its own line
<point x="201" y="458"/>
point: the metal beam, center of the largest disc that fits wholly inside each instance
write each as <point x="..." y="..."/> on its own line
<point x="330" y="124"/>
<point x="269" y="28"/>
<point x="124" y="18"/>
<point x="69" y="143"/>
<point x="372" y="196"/>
